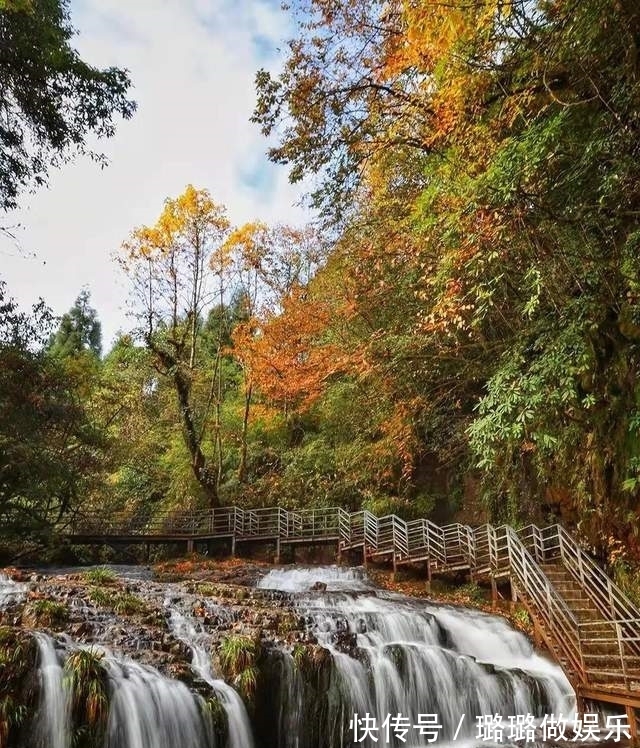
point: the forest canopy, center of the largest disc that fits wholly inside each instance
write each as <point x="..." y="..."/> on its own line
<point x="456" y="337"/>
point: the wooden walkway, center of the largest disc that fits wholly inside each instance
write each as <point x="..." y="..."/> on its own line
<point x="586" y="621"/>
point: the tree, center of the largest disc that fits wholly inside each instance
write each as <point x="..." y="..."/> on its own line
<point x="79" y="330"/>
<point x="490" y="151"/>
<point x="173" y="285"/>
<point x="269" y="264"/>
<point x="50" y="98"/>
<point x="50" y="450"/>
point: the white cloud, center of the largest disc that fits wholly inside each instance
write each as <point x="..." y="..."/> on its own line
<point x="192" y="63"/>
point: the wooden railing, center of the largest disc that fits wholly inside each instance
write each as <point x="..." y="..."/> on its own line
<point x="487" y="550"/>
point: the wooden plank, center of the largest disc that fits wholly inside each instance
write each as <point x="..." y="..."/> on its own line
<point x="613" y="695"/>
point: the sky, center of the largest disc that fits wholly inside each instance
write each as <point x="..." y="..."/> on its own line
<point x="192" y="65"/>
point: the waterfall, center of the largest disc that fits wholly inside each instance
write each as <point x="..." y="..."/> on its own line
<point x="53" y="722"/>
<point x="394" y="655"/>
<point x="301" y="579"/>
<point x="148" y="710"/>
<point x="185" y="629"/>
<point x="10" y="592"/>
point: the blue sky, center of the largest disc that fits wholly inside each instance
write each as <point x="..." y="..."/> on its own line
<point x="192" y="63"/>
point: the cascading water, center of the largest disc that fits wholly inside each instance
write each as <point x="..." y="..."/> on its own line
<point x="148" y="710"/>
<point x="301" y="579"/>
<point x="189" y="632"/>
<point x="53" y="724"/>
<point x="346" y="649"/>
<point x="396" y="656"/>
<point x="10" y="592"/>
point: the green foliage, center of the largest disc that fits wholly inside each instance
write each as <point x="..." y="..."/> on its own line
<point x="103" y="598"/>
<point x="17" y="663"/>
<point x="52" y="99"/>
<point x="127" y="603"/>
<point x="119" y="601"/>
<point x="100" y="575"/>
<point x="51" y="450"/>
<point x="626" y="574"/>
<point x="238" y="657"/>
<point x="215" y="712"/>
<point x="86" y="679"/>
<point x="472" y="592"/>
<point x="488" y="260"/>
<point x="79" y="330"/>
<point x="522" y="617"/>
<point x="47" y="613"/>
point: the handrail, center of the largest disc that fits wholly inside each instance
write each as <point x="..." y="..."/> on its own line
<point x="550" y="606"/>
<point x="485" y="549"/>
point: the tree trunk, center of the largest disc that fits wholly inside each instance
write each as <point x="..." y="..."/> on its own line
<point x="242" y="470"/>
<point x="192" y="441"/>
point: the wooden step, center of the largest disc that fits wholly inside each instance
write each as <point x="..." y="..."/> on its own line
<point x="614" y="678"/>
<point x="587" y="615"/>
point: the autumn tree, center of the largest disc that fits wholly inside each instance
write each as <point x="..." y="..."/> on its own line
<point x="271" y="263"/>
<point x="489" y="153"/>
<point x="174" y="285"/>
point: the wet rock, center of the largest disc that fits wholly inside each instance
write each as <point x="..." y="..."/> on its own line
<point x="319" y="587"/>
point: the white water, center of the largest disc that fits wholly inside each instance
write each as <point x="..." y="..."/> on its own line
<point x="303" y="579"/>
<point x="150" y="711"/>
<point x="186" y="629"/>
<point x="420" y="658"/>
<point x="10" y="592"/>
<point x="146" y="710"/>
<point x="291" y="711"/>
<point x="53" y="724"/>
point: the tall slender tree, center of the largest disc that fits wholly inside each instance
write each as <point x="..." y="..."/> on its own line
<point x="173" y="286"/>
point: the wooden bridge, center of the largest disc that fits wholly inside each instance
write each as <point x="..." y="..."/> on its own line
<point x="586" y="621"/>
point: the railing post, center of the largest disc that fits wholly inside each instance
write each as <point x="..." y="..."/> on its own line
<point x="491" y="536"/>
<point x="584" y="673"/>
<point x="612" y="606"/>
<point x="622" y="658"/>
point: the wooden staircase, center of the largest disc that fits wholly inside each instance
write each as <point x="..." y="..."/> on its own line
<point x="599" y="641"/>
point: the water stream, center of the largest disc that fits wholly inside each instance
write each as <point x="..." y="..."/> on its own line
<point x="148" y="710"/>
<point x="378" y="654"/>
<point x="53" y="723"/>
<point x="398" y="656"/>
<point x="196" y="638"/>
<point x="10" y="592"/>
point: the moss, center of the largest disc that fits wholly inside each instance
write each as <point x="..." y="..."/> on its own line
<point x="520" y="616"/>
<point x="288" y="622"/>
<point x="205" y="589"/>
<point x="17" y="685"/>
<point x="215" y="715"/>
<point x="102" y="598"/>
<point x="128" y="604"/>
<point x="472" y="592"/>
<point x="122" y="603"/>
